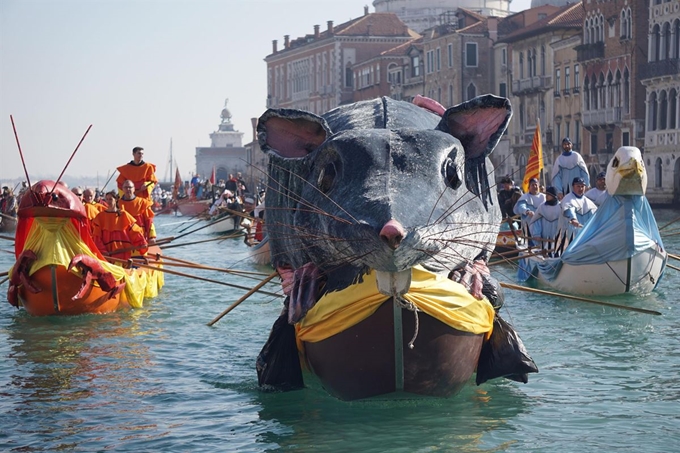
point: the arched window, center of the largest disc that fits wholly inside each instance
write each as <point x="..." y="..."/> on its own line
<point x="593" y="94"/>
<point x="652" y="108"/>
<point x="471" y="91"/>
<point x="626" y="90"/>
<point x="521" y="117"/>
<point x="601" y="37"/>
<point x="624" y="24"/>
<point x="602" y="94"/>
<point x="586" y="93"/>
<point x="521" y="65"/>
<point x="676" y="38"/>
<point x="658" y="173"/>
<point x="610" y="90"/>
<point x="630" y="24"/>
<point x="529" y="65"/>
<point x="533" y="64"/>
<point x="663" y="110"/>
<point x="673" y="107"/>
<point x="617" y="89"/>
<point x="542" y="60"/>
<point x="656" y="43"/>
<point x="666" y="36"/>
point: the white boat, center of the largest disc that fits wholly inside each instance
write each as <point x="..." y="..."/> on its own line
<point x="221" y="224"/>
<point x="619" y="250"/>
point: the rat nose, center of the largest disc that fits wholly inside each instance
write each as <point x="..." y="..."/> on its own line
<point x="392" y="234"/>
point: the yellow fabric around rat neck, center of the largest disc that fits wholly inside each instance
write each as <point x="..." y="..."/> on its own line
<point x="436" y="295"/>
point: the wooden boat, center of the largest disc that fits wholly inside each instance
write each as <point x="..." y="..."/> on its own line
<point x="223" y="223"/>
<point x="8" y="224"/>
<point x="193" y="207"/>
<point x="619" y="250"/>
<point x="260" y="253"/>
<point x="508" y="241"/>
<point x="59" y="270"/>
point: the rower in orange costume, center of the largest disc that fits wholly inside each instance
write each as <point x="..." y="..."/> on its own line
<point x="139" y="208"/>
<point x="141" y="173"/>
<point x="116" y="232"/>
<point x="92" y="208"/>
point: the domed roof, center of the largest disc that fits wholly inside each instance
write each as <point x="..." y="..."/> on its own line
<point x="226" y="114"/>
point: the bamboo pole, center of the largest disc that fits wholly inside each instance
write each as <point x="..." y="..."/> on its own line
<point x="182" y="274"/>
<point x="245" y="296"/>
<point x="581" y="299"/>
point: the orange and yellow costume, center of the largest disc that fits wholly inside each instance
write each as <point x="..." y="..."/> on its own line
<point x="114" y="231"/>
<point x="140" y="209"/>
<point x="143" y="175"/>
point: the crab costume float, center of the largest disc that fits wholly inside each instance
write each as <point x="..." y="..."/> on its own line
<point x="59" y="270"/>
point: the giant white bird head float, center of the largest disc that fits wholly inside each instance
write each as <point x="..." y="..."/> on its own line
<point x="626" y="173"/>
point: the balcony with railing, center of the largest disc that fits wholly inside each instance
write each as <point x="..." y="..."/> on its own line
<point x="591" y="51"/>
<point x="535" y="83"/>
<point x="601" y="117"/>
<point x="659" y="68"/>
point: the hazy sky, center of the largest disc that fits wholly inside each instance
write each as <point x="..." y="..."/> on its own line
<point x="141" y="72"/>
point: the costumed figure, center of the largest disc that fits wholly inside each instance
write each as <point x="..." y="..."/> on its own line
<point x="141" y="173"/>
<point x="598" y="193"/>
<point x="567" y="166"/>
<point x="139" y="208"/>
<point x="527" y="205"/>
<point x="544" y="225"/>
<point x="116" y="232"/>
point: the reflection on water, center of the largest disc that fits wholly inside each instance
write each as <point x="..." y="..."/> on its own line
<point x="159" y="379"/>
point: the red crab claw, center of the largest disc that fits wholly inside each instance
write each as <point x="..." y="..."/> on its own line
<point x="20" y="277"/>
<point x="93" y="271"/>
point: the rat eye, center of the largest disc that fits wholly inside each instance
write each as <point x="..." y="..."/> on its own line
<point x="327" y="177"/>
<point x="615" y="162"/>
<point x="451" y="172"/>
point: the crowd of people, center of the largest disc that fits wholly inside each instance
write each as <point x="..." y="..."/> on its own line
<point x="552" y="217"/>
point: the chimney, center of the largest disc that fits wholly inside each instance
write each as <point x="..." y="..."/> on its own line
<point x="274" y="46"/>
<point x="365" y="10"/>
<point x="286" y="41"/>
<point x="492" y="24"/>
<point x="316" y="31"/>
<point x="330" y="27"/>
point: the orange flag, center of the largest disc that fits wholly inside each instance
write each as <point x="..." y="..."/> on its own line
<point x="213" y="178"/>
<point x="535" y="163"/>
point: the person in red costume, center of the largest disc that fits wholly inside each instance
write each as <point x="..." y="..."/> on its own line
<point x="116" y="232"/>
<point x="141" y="173"/>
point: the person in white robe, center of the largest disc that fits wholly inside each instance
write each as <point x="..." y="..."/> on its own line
<point x="527" y="205"/>
<point x="567" y="166"/>
<point x="598" y="193"/>
<point x="544" y="224"/>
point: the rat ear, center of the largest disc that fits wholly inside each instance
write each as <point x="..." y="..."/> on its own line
<point x="478" y="123"/>
<point x="291" y="133"/>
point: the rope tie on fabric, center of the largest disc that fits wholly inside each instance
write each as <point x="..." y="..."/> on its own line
<point x="403" y="303"/>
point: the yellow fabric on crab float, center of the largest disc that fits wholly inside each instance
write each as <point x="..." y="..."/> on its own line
<point x="55" y="240"/>
<point x="434" y="294"/>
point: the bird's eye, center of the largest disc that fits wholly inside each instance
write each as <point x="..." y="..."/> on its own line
<point x="615" y="162"/>
<point x="327" y="177"/>
<point x="450" y="171"/>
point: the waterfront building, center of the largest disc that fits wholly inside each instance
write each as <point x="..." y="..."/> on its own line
<point x="660" y="75"/>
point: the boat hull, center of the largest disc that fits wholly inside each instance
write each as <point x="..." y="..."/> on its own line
<point x="637" y="275"/>
<point x="193" y="208"/>
<point x="59" y="286"/>
<point x="223" y="225"/>
<point x="373" y="358"/>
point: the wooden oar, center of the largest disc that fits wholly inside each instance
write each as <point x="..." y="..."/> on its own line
<point x="4" y="280"/>
<point x="244" y="274"/>
<point x="202" y="266"/>
<point x="219" y="238"/>
<point x="9" y="238"/>
<point x="245" y="296"/>
<point x="673" y="267"/>
<point x="669" y="223"/>
<point x="675" y="257"/>
<point x="181" y="274"/>
<point x="581" y="299"/>
<point x="519" y="257"/>
<point x="4" y="274"/>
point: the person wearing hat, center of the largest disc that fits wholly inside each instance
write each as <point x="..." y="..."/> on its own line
<point x="577" y="209"/>
<point x="598" y="193"/>
<point x="527" y="204"/>
<point x="544" y="223"/>
<point x="567" y="166"/>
